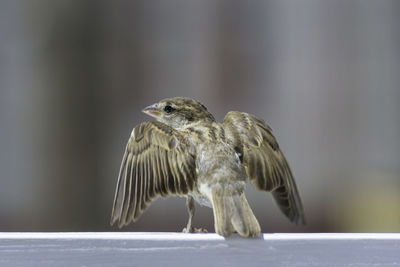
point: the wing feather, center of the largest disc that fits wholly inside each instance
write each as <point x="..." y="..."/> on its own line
<point x="265" y="164"/>
<point x="127" y="188"/>
<point x="158" y="161"/>
<point x="129" y="203"/>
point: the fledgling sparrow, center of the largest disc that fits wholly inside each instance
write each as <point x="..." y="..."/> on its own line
<point x="185" y="152"/>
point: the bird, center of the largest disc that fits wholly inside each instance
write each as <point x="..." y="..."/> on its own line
<point x="186" y="152"/>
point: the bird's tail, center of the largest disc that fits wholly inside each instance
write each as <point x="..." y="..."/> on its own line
<point x="233" y="213"/>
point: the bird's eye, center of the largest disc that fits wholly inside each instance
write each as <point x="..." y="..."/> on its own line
<point x="168" y="109"/>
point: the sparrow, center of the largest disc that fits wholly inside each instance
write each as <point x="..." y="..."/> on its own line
<point x="186" y="152"/>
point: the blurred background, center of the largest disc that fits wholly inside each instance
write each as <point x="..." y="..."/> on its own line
<point x="74" y="76"/>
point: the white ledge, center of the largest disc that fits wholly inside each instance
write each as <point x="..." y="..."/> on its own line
<point x="179" y="249"/>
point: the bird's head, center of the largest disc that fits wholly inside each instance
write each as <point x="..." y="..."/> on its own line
<point x="179" y="112"/>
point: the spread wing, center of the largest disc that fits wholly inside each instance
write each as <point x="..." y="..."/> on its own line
<point x="157" y="162"/>
<point x="264" y="162"/>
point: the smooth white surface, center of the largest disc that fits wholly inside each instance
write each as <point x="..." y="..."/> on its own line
<point x="179" y="249"/>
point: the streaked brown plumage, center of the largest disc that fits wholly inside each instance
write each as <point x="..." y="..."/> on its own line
<point x="187" y="153"/>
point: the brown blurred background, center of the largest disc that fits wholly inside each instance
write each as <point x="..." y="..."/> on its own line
<point x="74" y="76"/>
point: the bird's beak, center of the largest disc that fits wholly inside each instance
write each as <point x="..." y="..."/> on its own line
<point x="152" y="110"/>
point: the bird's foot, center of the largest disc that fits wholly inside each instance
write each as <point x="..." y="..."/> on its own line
<point x="194" y="230"/>
<point x="200" y="230"/>
<point x="187" y="230"/>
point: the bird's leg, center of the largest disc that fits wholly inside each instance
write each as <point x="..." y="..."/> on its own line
<point x="191" y="209"/>
<point x="189" y="228"/>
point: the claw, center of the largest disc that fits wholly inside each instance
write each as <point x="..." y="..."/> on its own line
<point x="194" y="230"/>
<point x="200" y="230"/>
